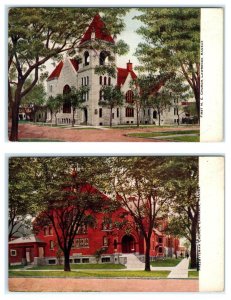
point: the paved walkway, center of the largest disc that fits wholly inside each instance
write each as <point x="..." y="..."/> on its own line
<point x="181" y="270"/>
<point x="101" y="285"/>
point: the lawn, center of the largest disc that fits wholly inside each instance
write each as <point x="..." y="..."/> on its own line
<point x="193" y="274"/>
<point x="91" y="274"/>
<point x="16" y="267"/>
<point x="170" y="135"/>
<point x="82" y="266"/>
<point x="168" y="262"/>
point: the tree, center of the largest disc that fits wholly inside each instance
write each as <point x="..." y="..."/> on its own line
<point x="77" y="98"/>
<point x="140" y="192"/>
<point x="54" y="104"/>
<point x="35" y="99"/>
<point x="111" y="97"/>
<point x="171" y="44"/>
<point x="137" y="98"/>
<point x="20" y="208"/>
<point x="183" y="174"/>
<point x="64" y="198"/>
<point x="36" y="35"/>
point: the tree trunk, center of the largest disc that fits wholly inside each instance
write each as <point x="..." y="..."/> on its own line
<point x="73" y="118"/>
<point x="193" y="252"/>
<point x="67" y="267"/>
<point x="159" y="118"/>
<point x="111" y="118"/>
<point x="147" y="255"/>
<point x="14" y="122"/>
<point x="137" y="118"/>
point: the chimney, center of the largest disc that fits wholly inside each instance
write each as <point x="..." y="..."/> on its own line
<point x="129" y="66"/>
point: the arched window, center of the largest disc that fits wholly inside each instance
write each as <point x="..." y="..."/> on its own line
<point x="86" y="58"/>
<point x="109" y="80"/>
<point x="100" y="80"/>
<point x="87" y="80"/>
<point x="105" y="80"/>
<point x="100" y="95"/>
<point x="129" y="96"/>
<point x="129" y="112"/>
<point x="103" y="58"/>
<point x="67" y="103"/>
<point x="154" y="114"/>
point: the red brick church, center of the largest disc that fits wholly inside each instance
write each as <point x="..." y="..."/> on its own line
<point x="42" y="248"/>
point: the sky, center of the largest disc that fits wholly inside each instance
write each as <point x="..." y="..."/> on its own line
<point x="130" y="37"/>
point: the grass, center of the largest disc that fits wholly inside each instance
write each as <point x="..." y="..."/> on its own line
<point x="16" y="267"/>
<point x="185" y="138"/>
<point x="91" y="274"/>
<point x="193" y="274"/>
<point x="170" y="135"/>
<point x="168" y="262"/>
<point x="82" y="266"/>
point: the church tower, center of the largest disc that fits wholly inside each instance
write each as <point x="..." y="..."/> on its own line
<point x="95" y="47"/>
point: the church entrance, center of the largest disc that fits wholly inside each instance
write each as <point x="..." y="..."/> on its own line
<point x="85" y="116"/>
<point x="128" y="244"/>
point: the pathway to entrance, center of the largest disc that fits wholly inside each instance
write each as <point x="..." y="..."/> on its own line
<point x="101" y="285"/>
<point x="181" y="270"/>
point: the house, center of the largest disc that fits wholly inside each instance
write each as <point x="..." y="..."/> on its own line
<point x="76" y="73"/>
<point x="105" y="235"/>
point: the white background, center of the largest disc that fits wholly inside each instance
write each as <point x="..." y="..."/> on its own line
<point x="6" y="148"/>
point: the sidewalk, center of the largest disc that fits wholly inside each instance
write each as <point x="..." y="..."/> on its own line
<point x="181" y="270"/>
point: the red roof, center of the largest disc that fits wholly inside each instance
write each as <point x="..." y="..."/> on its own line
<point x="58" y="69"/>
<point x="99" y="27"/>
<point x="56" y="72"/>
<point x="122" y="74"/>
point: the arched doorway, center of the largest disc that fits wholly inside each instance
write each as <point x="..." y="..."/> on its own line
<point x="67" y="103"/>
<point x="128" y="244"/>
<point x="85" y="116"/>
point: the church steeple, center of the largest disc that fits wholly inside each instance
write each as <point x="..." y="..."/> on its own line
<point x="98" y="29"/>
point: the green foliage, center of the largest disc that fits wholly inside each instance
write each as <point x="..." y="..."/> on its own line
<point x="98" y="253"/>
<point x="171" y="43"/>
<point x="111" y="97"/>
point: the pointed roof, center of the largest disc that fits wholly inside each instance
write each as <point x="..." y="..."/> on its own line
<point x="28" y="239"/>
<point x="56" y="72"/>
<point x="99" y="28"/>
<point x="122" y="75"/>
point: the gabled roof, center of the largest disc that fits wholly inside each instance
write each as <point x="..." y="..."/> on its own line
<point x="56" y="72"/>
<point x="24" y="240"/>
<point x="122" y="75"/>
<point x="99" y="28"/>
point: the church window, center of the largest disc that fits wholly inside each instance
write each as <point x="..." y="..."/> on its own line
<point x="51" y="245"/>
<point x="67" y="103"/>
<point x="100" y="80"/>
<point x="103" y="58"/>
<point x="129" y="96"/>
<point x="86" y="58"/>
<point x="129" y="112"/>
<point x="100" y="112"/>
<point x="154" y="114"/>
<point x="117" y="112"/>
<point x="87" y="80"/>
<point x="105" y="80"/>
<point x="109" y="80"/>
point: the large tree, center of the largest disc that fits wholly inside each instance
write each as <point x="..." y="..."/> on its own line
<point x="171" y="44"/>
<point x="62" y="196"/>
<point x="20" y="207"/>
<point x="36" y="35"/>
<point x="183" y="175"/>
<point x="137" y="187"/>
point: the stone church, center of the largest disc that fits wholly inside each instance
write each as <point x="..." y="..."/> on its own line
<point x="72" y="73"/>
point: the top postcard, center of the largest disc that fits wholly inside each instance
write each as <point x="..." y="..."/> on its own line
<point x="115" y="74"/>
